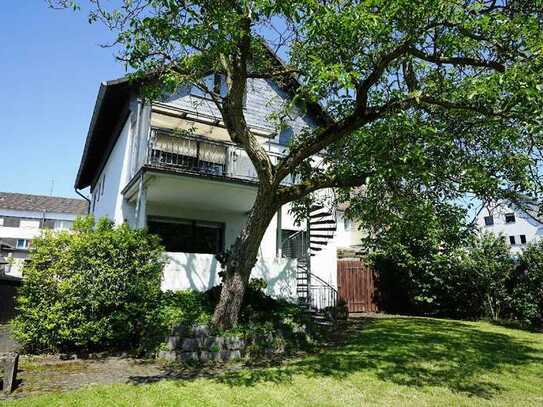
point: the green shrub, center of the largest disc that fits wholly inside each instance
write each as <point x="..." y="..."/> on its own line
<point x="95" y="288"/>
<point x="187" y="307"/>
<point x="527" y="286"/>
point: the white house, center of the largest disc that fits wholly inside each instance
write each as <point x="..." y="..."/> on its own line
<point x="170" y="166"/>
<point x="23" y="217"/>
<point x="517" y="225"/>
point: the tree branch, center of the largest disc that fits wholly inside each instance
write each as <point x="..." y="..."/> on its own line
<point x="457" y="61"/>
<point x="295" y="192"/>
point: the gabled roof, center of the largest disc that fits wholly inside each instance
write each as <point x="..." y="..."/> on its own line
<point x="110" y="104"/>
<point x="40" y="203"/>
<point x="109" y="109"/>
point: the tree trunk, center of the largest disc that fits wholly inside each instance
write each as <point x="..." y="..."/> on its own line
<point x="242" y="258"/>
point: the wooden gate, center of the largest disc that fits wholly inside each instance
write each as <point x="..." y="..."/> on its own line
<point x="356" y="286"/>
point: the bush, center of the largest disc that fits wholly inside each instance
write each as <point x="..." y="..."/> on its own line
<point x="187" y="307"/>
<point x="480" y="280"/>
<point x="95" y="288"/>
<point x="527" y="286"/>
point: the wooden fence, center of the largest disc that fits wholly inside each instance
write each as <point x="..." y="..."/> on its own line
<point x="356" y="286"/>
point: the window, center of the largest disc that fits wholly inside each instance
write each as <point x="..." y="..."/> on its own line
<point x="103" y="184"/>
<point x="63" y="224"/>
<point x="29" y="223"/>
<point x="22" y="244"/>
<point x="489" y="220"/>
<point x="188" y="236"/>
<point x="211" y="82"/>
<point x="347" y="224"/>
<point x="1" y="221"/>
<point x="294" y="243"/>
<point x="512" y="240"/>
<point x="522" y="239"/>
<point x="510" y="217"/>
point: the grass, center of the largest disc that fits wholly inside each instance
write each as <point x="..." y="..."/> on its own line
<point x="388" y="361"/>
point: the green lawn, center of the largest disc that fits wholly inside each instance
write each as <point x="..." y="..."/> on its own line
<point x="390" y="361"/>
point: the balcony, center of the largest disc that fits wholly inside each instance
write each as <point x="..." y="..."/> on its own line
<point x="189" y="154"/>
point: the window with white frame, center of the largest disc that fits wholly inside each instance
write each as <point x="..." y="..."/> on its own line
<point x="29" y="223"/>
<point x="63" y="224"/>
<point x="22" y="244"/>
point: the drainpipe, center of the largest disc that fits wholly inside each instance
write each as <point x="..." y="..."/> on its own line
<point x="278" y="236"/>
<point x="85" y="198"/>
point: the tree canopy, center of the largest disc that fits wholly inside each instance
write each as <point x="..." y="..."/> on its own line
<point x="424" y="101"/>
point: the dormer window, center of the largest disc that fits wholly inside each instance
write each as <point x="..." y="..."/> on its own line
<point x="510" y="217"/>
<point x="214" y="83"/>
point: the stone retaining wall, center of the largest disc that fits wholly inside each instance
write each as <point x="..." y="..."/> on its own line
<point x="199" y="345"/>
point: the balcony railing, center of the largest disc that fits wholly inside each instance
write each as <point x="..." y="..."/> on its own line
<point x="195" y="155"/>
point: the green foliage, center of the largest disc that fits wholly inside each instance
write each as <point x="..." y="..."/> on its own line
<point x="97" y="287"/>
<point x="478" y="280"/>
<point x="527" y="294"/>
<point x="186" y="308"/>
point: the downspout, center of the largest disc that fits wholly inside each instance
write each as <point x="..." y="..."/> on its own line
<point x="85" y="198"/>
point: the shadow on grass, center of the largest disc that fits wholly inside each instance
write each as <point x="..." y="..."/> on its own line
<point x="406" y="351"/>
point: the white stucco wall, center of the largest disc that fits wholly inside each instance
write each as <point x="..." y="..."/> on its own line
<point x="110" y="202"/>
<point x="523" y="225"/>
<point x="200" y="272"/>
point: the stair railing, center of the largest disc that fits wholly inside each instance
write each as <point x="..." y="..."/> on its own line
<point x="322" y="295"/>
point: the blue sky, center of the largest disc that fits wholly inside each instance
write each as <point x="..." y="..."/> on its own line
<point x="51" y="66"/>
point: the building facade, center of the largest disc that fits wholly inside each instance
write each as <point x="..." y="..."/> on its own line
<point x="171" y="167"/>
<point x="516" y="225"/>
<point x="23" y="217"/>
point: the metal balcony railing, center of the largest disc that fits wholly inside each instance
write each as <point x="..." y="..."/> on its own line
<point x="185" y="153"/>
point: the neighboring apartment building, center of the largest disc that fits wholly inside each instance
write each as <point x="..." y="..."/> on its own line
<point x="170" y="166"/>
<point x="23" y="217"/>
<point x="518" y="226"/>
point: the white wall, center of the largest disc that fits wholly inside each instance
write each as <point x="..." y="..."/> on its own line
<point x="200" y="272"/>
<point x="110" y="203"/>
<point x="523" y="225"/>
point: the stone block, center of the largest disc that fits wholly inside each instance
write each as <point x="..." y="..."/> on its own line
<point x="173" y="342"/>
<point x="228" y="355"/>
<point x="168" y="355"/>
<point x="9" y="363"/>
<point x="188" y="356"/>
<point x="200" y="331"/>
<point x="189" y="345"/>
<point x="206" y="356"/>
<point x="234" y="343"/>
<point x="215" y="343"/>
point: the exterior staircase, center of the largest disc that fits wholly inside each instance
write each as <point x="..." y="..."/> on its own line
<point x="313" y="293"/>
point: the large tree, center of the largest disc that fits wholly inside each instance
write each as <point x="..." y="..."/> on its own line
<point x="441" y="97"/>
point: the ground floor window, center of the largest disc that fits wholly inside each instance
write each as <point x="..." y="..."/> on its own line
<point x="188" y="236"/>
<point x="295" y="243"/>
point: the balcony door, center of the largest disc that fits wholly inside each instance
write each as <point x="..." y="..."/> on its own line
<point x="188" y="236"/>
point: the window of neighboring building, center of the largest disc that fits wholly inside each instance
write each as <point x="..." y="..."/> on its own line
<point x="489" y="220"/>
<point x="22" y="244"/>
<point x="510" y="217"/>
<point x="63" y="224"/>
<point x="512" y="239"/>
<point x="188" y="236"/>
<point x="29" y="223"/>
<point x="523" y="239"/>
